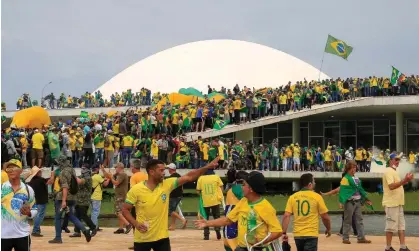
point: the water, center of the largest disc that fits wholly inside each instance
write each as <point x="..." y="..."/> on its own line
<point x="373" y="224"/>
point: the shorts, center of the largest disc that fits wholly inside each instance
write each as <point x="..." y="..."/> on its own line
<point x="37" y="153"/>
<point x="173" y="203"/>
<point x="395" y="219"/>
<point x="119" y="202"/>
<point x="160" y="245"/>
<point x="296" y="161"/>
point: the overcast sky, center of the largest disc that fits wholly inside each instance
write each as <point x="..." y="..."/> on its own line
<point x="80" y="44"/>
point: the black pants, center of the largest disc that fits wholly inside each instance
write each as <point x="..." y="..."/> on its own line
<point x="237" y="116"/>
<point x="81" y="214"/>
<point x="160" y="245"/>
<point x="18" y="244"/>
<point x="89" y="156"/>
<point x="306" y="243"/>
<point x="215" y="212"/>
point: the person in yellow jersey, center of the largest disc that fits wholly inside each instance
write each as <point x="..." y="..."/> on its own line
<point x="205" y="150"/>
<point x="359" y="157"/>
<point x="99" y="141"/>
<point x="151" y="201"/>
<point x="154" y="149"/>
<point x="282" y="100"/>
<point x="412" y="157"/>
<point x="393" y="202"/>
<point x="109" y="148"/>
<point x="296" y="157"/>
<point x="24" y="146"/>
<point x="37" y="148"/>
<point x="208" y="187"/>
<point x="328" y="159"/>
<point x="98" y="182"/>
<point x="251" y="212"/>
<point x="127" y="144"/>
<point x="306" y="206"/>
<point x="237" y="103"/>
<point x="4" y="177"/>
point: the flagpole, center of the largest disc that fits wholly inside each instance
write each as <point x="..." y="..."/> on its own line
<point x="324" y="51"/>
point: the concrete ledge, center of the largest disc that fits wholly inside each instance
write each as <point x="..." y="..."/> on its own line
<point x="76" y="111"/>
<point x="316" y="109"/>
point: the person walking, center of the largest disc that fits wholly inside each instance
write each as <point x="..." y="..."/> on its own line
<point x="83" y="202"/>
<point x="393" y="202"/>
<point x="65" y="200"/>
<point x="174" y="200"/>
<point x="351" y="197"/>
<point x="40" y="187"/>
<point x="306" y="206"/>
<point x="208" y="187"/>
<point x="98" y="182"/>
<point x="151" y="231"/>
<point x="17" y="205"/>
<point x="121" y="183"/>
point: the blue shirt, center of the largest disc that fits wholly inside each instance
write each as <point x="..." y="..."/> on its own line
<point x="199" y="113"/>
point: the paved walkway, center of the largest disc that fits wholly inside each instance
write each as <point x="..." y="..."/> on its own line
<point x="184" y="240"/>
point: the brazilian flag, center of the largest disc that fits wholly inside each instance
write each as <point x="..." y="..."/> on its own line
<point x="220" y="124"/>
<point x="201" y="210"/>
<point x="338" y="47"/>
<point x="84" y="114"/>
<point x="395" y="75"/>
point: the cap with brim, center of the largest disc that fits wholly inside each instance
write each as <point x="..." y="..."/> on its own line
<point x="13" y="162"/>
<point x="171" y="166"/>
<point x="394" y="156"/>
<point x="35" y="170"/>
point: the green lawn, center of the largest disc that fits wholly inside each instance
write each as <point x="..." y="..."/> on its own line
<point x="190" y="204"/>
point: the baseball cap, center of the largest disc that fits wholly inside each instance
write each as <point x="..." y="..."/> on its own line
<point x="256" y="181"/>
<point x="13" y="162"/>
<point x="172" y="166"/>
<point x="394" y="156"/>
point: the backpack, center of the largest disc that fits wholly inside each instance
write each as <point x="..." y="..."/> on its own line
<point x="74" y="186"/>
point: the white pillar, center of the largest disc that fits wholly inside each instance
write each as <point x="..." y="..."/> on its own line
<point x="399" y="132"/>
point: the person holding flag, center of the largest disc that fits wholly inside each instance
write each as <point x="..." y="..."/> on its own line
<point x="258" y="225"/>
<point x="351" y="197"/>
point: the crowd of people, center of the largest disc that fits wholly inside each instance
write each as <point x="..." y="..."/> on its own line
<point x="145" y="202"/>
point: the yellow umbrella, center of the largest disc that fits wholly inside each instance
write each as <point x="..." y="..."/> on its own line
<point x="34" y="117"/>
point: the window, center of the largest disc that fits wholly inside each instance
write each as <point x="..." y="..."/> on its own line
<point x="304" y="136"/>
<point x="382" y="142"/>
<point x="413" y="143"/>
<point x="316" y="142"/>
<point x="348" y="141"/>
<point x="284" y="129"/>
<point x="331" y="135"/>
<point x="271" y="126"/>
<point x="269" y="135"/>
<point x="364" y="137"/>
<point x="284" y="141"/>
<point x="392" y="141"/>
<point x="381" y="127"/>
<point x="348" y="127"/>
<point x="257" y="132"/>
<point x="364" y="122"/>
<point x="303" y="124"/>
<point x="331" y="123"/>
<point x="412" y="126"/>
<point x="316" y="129"/>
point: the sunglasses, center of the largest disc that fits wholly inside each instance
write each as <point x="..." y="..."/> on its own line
<point x="240" y="181"/>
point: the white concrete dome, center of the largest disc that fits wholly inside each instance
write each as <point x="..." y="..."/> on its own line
<point x="212" y="62"/>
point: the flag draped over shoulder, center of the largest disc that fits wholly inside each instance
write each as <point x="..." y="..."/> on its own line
<point x="201" y="209"/>
<point x="338" y="47"/>
<point x="349" y="188"/>
<point x="220" y="124"/>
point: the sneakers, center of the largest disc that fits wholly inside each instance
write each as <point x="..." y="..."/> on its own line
<point x="128" y="229"/>
<point x="94" y="232"/>
<point x="37" y="235"/>
<point x="364" y="241"/>
<point x="87" y="235"/>
<point x="119" y="231"/>
<point x="75" y="235"/>
<point x="206" y="238"/>
<point x="391" y="249"/>
<point x="346" y="242"/>
<point x="65" y="229"/>
<point x="55" y="241"/>
<point x="218" y="235"/>
<point x="404" y="249"/>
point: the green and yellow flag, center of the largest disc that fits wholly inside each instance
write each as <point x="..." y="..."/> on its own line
<point x="220" y="124"/>
<point x="395" y="75"/>
<point x="201" y="211"/>
<point x="338" y="47"/>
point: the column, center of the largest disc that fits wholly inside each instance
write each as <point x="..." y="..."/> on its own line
<point x="244" y="135"/>
<point x="399" y="132"/>
<point x="296" y="131"/>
